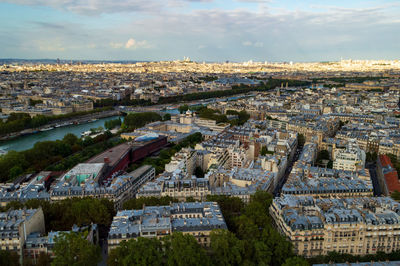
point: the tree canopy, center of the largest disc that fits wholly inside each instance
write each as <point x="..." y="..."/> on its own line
<point x="73" y="249"/>
<point x="54" y="155"/>
<point x="141" y="252"/>
<point x="136" y="120"/>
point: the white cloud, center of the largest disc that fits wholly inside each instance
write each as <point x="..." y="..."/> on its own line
<point x="130" y="43"/>
<point x="255" y="44"/>
<point x="97" y="7"/>
<point x="116" y="45"/>
<point x="326" y="33"/>
<point x="50" y="46"/>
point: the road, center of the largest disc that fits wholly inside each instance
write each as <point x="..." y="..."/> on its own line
<point x="282" y="181"/>
<point x="372" y="170"/>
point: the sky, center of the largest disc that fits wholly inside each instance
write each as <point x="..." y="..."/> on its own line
<point x="204" y="30"/>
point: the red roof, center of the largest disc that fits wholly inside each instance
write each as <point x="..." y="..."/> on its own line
<point x="385" y="160"/>
<point x="391" y="178"/>
<point x="392" y="181"/>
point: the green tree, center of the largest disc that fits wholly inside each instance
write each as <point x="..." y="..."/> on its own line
<point x="16" y="171"/>
<point x="395" y="195"/>
<point x="226" y="248"/>
<point x="9" y="258"/>
<point x="70" y="139"/>
<point x="43" y="259"/>
<point x="136" y="120"/>
<point x="183" y="108"/>
<point x="263" y="151"/>
<point x="184" y="250"/>
<point x="34" y="102"/>
<point x="167" y="117"/>
<point x="73" y="249"/>
<point x="323" y="155"/>
<point x="231" y="208"/>
<point x="295" y="261"/>
<point x="301" y="139"/>
<point x="110" y="124"/>
<point x="140" y="251"/>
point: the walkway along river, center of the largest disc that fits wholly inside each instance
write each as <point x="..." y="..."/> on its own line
<point x="27" y="142"/>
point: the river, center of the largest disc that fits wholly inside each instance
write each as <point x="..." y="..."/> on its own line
<point x="27" y="142"/>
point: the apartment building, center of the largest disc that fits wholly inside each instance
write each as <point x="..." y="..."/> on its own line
<point x="356" y="226"/>
<point x="16" y="225"/>
<point x="195" y="218"/>
<point x="352" y="158"/>
<point x="85" y="180"/>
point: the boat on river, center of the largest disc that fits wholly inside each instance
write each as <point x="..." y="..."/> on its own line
<point x="46" y="129"/>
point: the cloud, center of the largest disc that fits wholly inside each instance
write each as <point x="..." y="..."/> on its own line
<point x="97" y="7"/>
<point x="130" y="44"/>
<point x="55" y="46"/>
<point x="116" y="45"/>
<point x="325" y="33"/>
<point x="255" y="44"/>
<point x="254" y="1"/>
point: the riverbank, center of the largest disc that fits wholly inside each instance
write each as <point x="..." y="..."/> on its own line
<point x="61" y="123"/>
<point x="28" y="141"/>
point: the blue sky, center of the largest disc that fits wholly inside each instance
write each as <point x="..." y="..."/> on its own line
<point x="204" y="30"/>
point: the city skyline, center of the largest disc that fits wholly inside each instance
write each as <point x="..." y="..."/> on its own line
<point x="204" y="30"/>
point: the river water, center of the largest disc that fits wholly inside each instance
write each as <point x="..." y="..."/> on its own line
<point x="27" y="142"/>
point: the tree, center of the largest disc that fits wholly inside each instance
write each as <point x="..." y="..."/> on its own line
<point x="70" y="139"/>
<point x="301" y="139"/>
<point x="136" y="120"/>
<point x="371" y="156"/>
<point x="43" y="259"/>
<point x="243" y="117"/>
<point x="140" y="251"/>
<point x="226" y="248"/>
<point x="263" y="151"/>
<point x="295" y="261"/>
<point x="231" y="208"/>
<point x="73" y="249"/>
<point x="323" y="155"/>
<point x="183" y="108"/>
<point x="34" y="102"/>
<point x="16" y="171"/>
<point x="190" y="199"/>
<point x="167" y="117"/>
<point x="183" y="250"/>
<point x="9" y="258"/>
<point x="110" y="124"/>
<point x="395" y="195"/>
